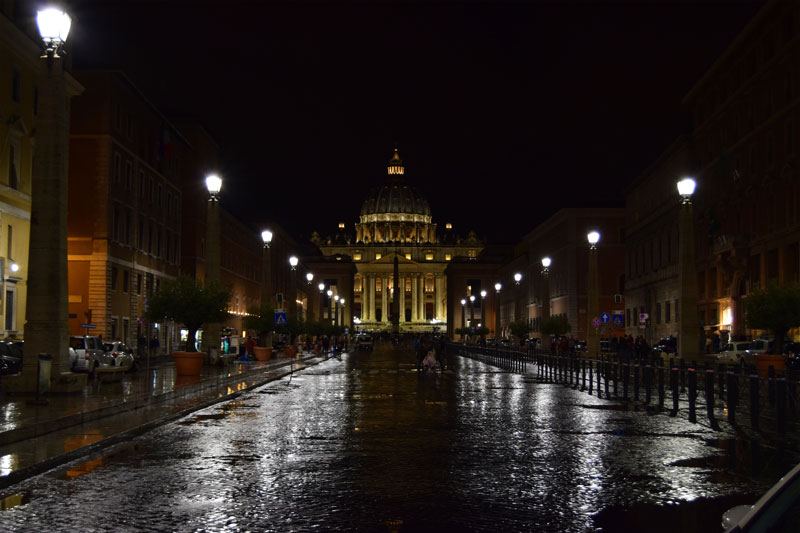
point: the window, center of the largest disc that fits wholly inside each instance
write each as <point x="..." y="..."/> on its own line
<point x="117" y="168"/>
<point x="126" y="281"/>
<point x="378" y="256"/>
<point x="472" y="254"/>
<point x="9" y="250"/>
<point x="141" y="234"/>
<point x="790" y="137"/>
<point x="447" y="257"/>
<point x="117" y="117"/>
<point x="15" y="86"/>
<point x="667" y="314"/>
<point x="130" y="126"/>
<point x="628" y="316"/>
<point x="113" y="278"/>
<point x="150" y="189"/>
<point x="428" y="256"/>
<point x="150" y="238"/>
<point x="10" y="309"/>
<point x="13" y="166"/>
<point x="138" y="284"/>
<point x="128" y="225"/>
<point x="658" y="312"/>
<point x="158" y="195"/>
<point x="141" y="184"/>
<point x="677" y="311"/>
<point x="408" y="256"/>
<point x="357" y="256"/>
<point x="128" y="175"/>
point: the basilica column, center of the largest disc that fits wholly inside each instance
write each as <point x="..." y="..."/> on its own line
<point x="421" y="302"/>
<point x="437" y="295"/>
<point x="371" y="297"/>
<point x="414" y="298"/>
<point x="400" y="286"/>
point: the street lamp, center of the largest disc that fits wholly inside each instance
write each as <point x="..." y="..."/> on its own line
<point x="689" y="329"/>
<point x="336" y="309"/>
<point x="497" y="287"/>
<point x="266" y="269"/>
<point x="321" y="288"/>
<point x="593" y="307"/>
<point x="309" y="277"/>
<point x="293" y="262"/>
<point x="341" y="302"/>
<point x="266" y="236"/>
<point x="517" y="277"/>
<point x="463" y="314"/>
<point x="545" y="312"/>
<point x="471" y="309"/>
<point x="46" y="314"/>
<point x="330" y="300"/>
<point x="483" y="306"/>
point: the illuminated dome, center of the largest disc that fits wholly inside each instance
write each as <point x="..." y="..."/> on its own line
<point x="395" y="211"/>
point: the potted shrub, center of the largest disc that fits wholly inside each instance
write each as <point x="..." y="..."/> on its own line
<point x="185" y="301"/>
<point x="261" y="320"/>
<point x="776" y="308"/>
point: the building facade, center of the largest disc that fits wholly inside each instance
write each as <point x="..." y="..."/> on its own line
<point x="124" y="211"/>
<point x="396" y="233"/>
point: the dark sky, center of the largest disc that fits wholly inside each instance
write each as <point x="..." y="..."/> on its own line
<point x="503" y="112"/>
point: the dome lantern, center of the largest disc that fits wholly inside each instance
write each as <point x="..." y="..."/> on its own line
<point x="395" y="166"/>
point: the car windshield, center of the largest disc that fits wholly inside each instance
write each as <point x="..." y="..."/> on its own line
<point x="743" y="346"/>
<point x="108" y="346"/>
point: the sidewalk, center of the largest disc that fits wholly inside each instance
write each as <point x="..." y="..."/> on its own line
<point x="112" y="409"/>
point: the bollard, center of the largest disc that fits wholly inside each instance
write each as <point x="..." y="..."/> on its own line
<point x="607" y="371"/>
<point x="591" y="379"/>
<point x="682" y="370"/>
<point x="583" y="374"/>
<point x="647" y="378"/>
<point x="673" y="385"/>
<point x="733" y="396"/>
<point x="709" y="394"/>
<point x="636" y="382"/>
<point x="615" y="370"/>
<point x="771" y="386"/>
<point x="692" y="377"/>
<point x="754" y="402"/>
<point x="626" y="371"/>
<point x="780" y="405"/>
<point x="599" y="365"/>
<point x="661" y="393"/>
<point x="721" y="381"/>
<point x="42" y="378"/>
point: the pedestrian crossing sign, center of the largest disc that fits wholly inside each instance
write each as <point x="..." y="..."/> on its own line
<point x="280" y="319"/>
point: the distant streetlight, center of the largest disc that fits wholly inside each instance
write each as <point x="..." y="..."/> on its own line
<point x="689" y="340"/>
<point x="266" y="269"/>
<point x="517" y="277"/>
<point x="497" y="287"/>
<point x="309" y="277"/>
<point x="592" y="337"/>
<point x="471" y="309"/>
<point x="545" y="312"/>
<point x="321" y="288"/>
<point x="336" y="309"/>
<point x="293" y="262"/>
<point x="483" y="306"/>
<point x="330" y="302"/>
<point x="266" y="236"/>
<point x="463" y="314"/>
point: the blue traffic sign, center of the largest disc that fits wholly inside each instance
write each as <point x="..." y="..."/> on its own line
<point x="618" y="320"/>
<point x="605" y="318"/>
<point x="280" y="319"/>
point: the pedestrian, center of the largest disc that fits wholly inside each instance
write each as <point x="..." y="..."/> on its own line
<point x="249" y="346"/>
<point x="154" y="346"/>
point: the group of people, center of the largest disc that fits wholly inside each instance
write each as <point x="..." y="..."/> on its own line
<point x="429" y="352"/>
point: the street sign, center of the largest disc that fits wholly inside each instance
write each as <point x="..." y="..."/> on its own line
<point x="89" y="326"/>
<point x="280" y="319"/>
<point x="596" y="322"/>
<point x="618" y="319"/>
<point x="605" y="318"/>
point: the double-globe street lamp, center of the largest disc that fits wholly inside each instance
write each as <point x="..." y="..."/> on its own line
<point x="46" y="314"/>
<point x="689" y="329"/>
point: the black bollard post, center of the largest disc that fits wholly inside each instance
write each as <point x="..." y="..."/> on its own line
<point x="682" y="370"/>
<point x="780" y="405"/>
<point x="754" y="402"/>
<point x="733" y="396"/>
<point x="583" y="374"/>
<point x="626" y="371"/>
<point x="661" y="393"/>
<point x="721" y="381"/>
<point x="615" y="369"/>
<point x="709" y="394"/>
<point x="607" y="371"/>
<point x="673" y="385"/>
<point x="636" y="382"/>
<point x="647" y="383"/>
<point x="599" y="368"/>
<point x="771" y="386"/>
<point x="591" y="379"/>
<point x="692" y="375"/>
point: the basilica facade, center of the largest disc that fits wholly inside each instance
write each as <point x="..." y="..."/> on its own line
<point x="390" y="265"/>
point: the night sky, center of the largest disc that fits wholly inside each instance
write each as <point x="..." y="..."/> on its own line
<point x="503" y="112"/>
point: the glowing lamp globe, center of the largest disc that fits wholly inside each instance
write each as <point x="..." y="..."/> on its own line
<point x="546" y="261"/>
<point x="213" y="184"/>
<point x="53" y="25"/>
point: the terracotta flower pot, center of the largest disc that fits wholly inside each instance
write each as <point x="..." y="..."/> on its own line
<point x="764" y="361"/>
<point x="188" y="363"/>
<point x="263" y="353"/>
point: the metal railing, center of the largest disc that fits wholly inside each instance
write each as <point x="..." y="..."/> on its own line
<point x="736" y="394"/>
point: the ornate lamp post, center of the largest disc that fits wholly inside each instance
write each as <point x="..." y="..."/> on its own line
<point x="266" y="270"/>
<point x="483" y="307"/>
<point x="46" y="322"/>
<point x="330" y="301"/>
<point x="593" y="306"/>
<point x="545" y="313"/>
<point x="471" y="309"/>
<point x="689" y="330"/>
<point x="291" y="298"/>
<point x="343" y="322"/>
<point x="211" y="337"/>
<point x="321" y="288"/>
<point x="463" y="313"/>
<point x="336" y="309"/>
<point x="497" y="287"/>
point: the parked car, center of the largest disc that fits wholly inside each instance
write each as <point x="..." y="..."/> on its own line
<point x="778" y="510"/>
<point x="10" y="358"/>
<point x="666" y="346"/>
<point x="759" y="346"/>
<point x="364" y="342"/>
<point x="117" y="354"/>
<point x="736" y="352"/>
<point x="89" y="353"/>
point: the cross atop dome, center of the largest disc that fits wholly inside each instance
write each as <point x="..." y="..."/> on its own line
<point x="395" y="166"/>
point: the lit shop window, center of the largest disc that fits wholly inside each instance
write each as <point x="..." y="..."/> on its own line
<point x="408" y="256"/>
<point x="357" y="256"/>
<point x="447" y="257"/>
<point x="378" y="256"/>
<point x="428" y="256"/>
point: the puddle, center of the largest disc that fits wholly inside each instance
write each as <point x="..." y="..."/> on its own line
<point x="15" y="500"/>
<point x="202" y="418"/>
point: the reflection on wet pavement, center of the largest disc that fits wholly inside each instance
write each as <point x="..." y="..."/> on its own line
<point x="370" y="444"/>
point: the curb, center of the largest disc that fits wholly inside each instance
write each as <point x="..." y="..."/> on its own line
<point x="48" y="464"/>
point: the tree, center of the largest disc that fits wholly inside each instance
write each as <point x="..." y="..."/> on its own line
<point x="185" y="301"/>
<point x="262" y="320"/>
<point x="776" y="308"/>
<point x="482" y="331"/>
<point x="556" y="325"/>
<point x="519" y="329"/>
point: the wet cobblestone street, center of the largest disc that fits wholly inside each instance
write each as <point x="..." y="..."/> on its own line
<point x="368" y="443"/>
